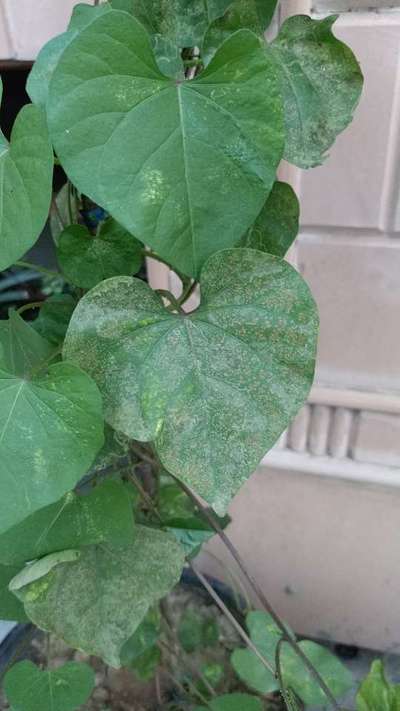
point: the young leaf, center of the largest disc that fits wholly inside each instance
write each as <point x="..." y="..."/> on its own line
<point x="21" y="348"/>
<point x="375" y="692"/>
<point x="51" y="428"/>
<point x="183" y="22"/>
<point x="218" y="144"/>
<point x="115" y="448"/>
<point x="215" y="389"/>
<point x="105" y="515"/>
<point x="26" y="171"/>
<point x="297" y="677"/>
<point x="31" y="689"/>
<point x="265" y="634"/>
<point x="321" y="86"/>
<point x="143" y="639"/>
<point x="234" y="702"/>
<point x="97" y="603"/>
<point x="168" y="57"/>
<point x="54" y="317"/>
<point x="146" y="665"/>
<point x="37" y="570"/>
<point x="252" y="671"/>
<point x="181" y="518"/>
<point x="195" y="631"/>
<point x="65" y="212"/>
<point x="277" y="225"/>
<point x="87" y="260"/>
<point x="256" y="15"/>
<point x="10" y="608"/>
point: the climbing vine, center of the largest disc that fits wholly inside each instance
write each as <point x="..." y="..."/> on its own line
<point x="170" y="120"/>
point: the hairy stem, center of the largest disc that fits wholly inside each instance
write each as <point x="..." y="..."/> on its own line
<point x="187" y="293"/>
<point x="28" y="307"/>
<point x="38" y="268"/>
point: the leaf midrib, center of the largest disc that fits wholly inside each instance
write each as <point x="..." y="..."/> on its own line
<point x="187" y="181"/>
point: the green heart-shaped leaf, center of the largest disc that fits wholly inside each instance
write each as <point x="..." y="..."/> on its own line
<point x="97" y="603"/>
<point x="277" y="225"/>
<point x="297" y="677"/>
<point x="266" y="635"/>
<point x="321" y="87"/>
<point x="87" y="260"/>
<point x="26" y="171"/>
<point x="215" y="389"/>
<point x="10" y="607"/>
<point x="105" y="515"/>
<point x="31" y="689"/>
<point x="51" y="424"/>
<point x="256" y="15"/>
<point x="218" y="144"/>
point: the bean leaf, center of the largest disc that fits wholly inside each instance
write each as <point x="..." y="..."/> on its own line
<point x="87" y="260"/>
<point x="218" y="144"/>
<point x="215" y="389"/>
<point x="321" y="87"/>
<point x="277" y="225"/>
<point x="10" y="608"/>
<point x="256" y="15"/>
<point x="54" y="317"/>
<point x="97" y="603"/>
<point x="297" y="677"/>
<point x="183" y="22"/>
<point x="26" y="171"/>
<point x="51" y="424"/>
<point x="31" y="689"/>
<point x="104" y="515"/>
<point x="266" y="635"/>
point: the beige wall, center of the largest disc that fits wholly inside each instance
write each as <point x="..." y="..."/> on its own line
<point x="25" y="25"/>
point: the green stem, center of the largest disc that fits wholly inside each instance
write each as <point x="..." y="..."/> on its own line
<point x="45" y="363"/>
<point x="187" y="293"/>
<point x="196" y="62"/>
<point x="153" y="255"/>
<point x="140" y="452"/>
<point x="70" y="211"/>
<point x="172" y="300"/>
<point x="28" y="307"/>
<point x="37" y="268"/>
<point x="54" y="206"/>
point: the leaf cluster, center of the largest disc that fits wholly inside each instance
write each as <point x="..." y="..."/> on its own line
<point x="170" y="120"/>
